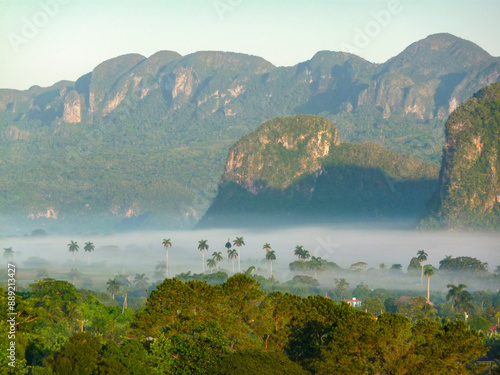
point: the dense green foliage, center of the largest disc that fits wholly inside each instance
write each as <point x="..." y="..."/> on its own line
<point x="239" y="325"/>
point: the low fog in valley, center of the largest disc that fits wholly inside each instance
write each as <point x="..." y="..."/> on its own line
<point x="140" y="252"/>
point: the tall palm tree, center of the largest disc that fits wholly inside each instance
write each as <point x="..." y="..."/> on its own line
<point x="228" y="247"/>
<point x="299" y="251"/>
<point x="239" y="243"/>
<point x="266" y="247"/>
<point x="89" y="247"/>
<point x="270" y="256"/>
<point x="8" y="253"/>
<point x="203" y="246"/>
<point x="113" y="287"/>
<point x="454" y="293"/>
<point x="141" y="281"/>
<point x="211" y="264"/>
<point x="217" y="256"/>
<point x="232" y="254"/>
<point x="428" y="272"/>
<point x="73" y="247"/>
<point x="305" y="255"/>
<point x="167" y="243"/>
<point x="422" y="257"/>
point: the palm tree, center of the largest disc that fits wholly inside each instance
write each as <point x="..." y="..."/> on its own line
<point x="270" y="256"/>
<point x="232" y="254"/>
<point x="89" y="247"/>
<point x="428" y="272"/>
<point x="73" y="246"/>
<point x="8" y="253"/>
<point x="299" y="251"/>
<point x="239" y="243"/>
<point x="203" y="246"/>
<point x="167" y="243"/>
<point x="211" y="264"/>
<point x="305" y="255"/>
<point x="266" y="247"/>
<point x="422" y="257"/>
<point x="141" y="281"/>
<point x="454" y="293"/>
<point x="113" y="287"/>
<point x="217" y="256"/>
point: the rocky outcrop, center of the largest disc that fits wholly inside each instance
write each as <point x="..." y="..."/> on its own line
<point x="469" y="194"/>
<point x="280" y="151"/>
<point x="72" y="108"/>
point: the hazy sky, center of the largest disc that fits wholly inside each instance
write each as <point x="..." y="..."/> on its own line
<point x="44" y="41"/>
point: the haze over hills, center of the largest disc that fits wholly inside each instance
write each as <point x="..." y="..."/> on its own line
<point x="294" y="169"/>
<point x="143" y="141"/>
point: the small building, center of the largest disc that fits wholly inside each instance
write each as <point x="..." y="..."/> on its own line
<point x="353" y="302"/>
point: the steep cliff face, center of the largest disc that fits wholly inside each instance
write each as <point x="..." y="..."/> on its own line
<point x="72" y="108"/>
<point x="470" y="183"/>
<point x="296" y="168"/>
<point x="281" y="151"/>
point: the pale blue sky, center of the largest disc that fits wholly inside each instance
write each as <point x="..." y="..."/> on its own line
<point x="44" y="41"/>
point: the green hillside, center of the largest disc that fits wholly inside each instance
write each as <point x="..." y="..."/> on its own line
<point x="469" y="195"/>
<point x="331" y="181"/>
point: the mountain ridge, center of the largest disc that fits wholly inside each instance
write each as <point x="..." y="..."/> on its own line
<point x="164" y="123"/>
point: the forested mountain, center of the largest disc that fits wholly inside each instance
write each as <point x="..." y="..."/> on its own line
<point x="144" y="140"/>
<point x="296" y="169"/>
<point x="469" y="194"/>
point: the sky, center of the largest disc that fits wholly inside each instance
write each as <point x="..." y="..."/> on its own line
<point x="45" y="41"/>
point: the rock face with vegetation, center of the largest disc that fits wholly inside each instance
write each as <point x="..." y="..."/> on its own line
<point x="281" y="151"/>
<point x="469" y="195"/>
<point x="160" y="127"/>
<point x="295" y="168"/>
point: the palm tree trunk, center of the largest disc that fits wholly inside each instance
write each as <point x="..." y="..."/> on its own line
<point x="73" y="256"/>
<point x="124" y="303"/>
<point x="88" y="259"/>
<point x="239" y="258"/>
<point x="167" y="262"/>
<point x="203" y="252"/>
<point x="422" y="275"/>
<point x="271" y="268"/>
<point x="428" y="288"/>
<point x="233" y="265"/>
